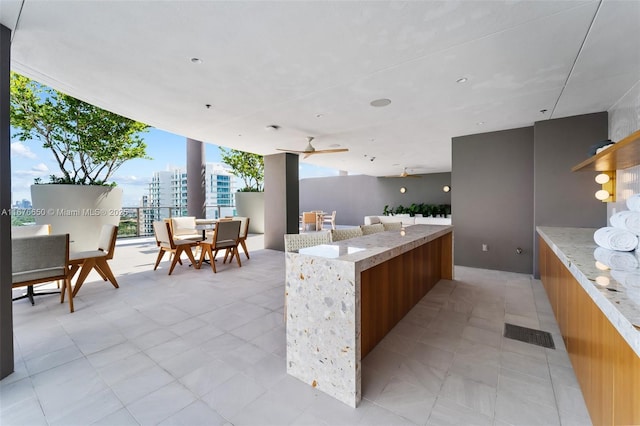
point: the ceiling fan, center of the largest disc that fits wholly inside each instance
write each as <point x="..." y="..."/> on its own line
<point x="310" y="150"/>
<point x="404" y="174"/>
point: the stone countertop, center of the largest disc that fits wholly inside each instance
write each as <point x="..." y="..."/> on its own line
<point x="620" y="302"/>
<point x="370" y="250"/>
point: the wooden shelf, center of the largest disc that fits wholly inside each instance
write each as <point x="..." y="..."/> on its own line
<point x="622" y="155"/>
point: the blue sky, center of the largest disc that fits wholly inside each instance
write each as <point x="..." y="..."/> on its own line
<point x="29" y="161"/>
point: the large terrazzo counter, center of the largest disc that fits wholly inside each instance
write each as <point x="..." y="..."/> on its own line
<point x="324" y="303"/>
<point x="619" y="301"/>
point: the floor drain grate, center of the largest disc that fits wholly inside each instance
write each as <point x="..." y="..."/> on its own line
<point x="529" y="335"/>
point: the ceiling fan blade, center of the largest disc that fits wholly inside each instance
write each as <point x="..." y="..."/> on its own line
<point x="290" y="150"/>
<point x="329" y="151"/>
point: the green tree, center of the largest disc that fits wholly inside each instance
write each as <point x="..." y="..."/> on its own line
<point x="88" y="143"/>
<point x="246" y="166"/>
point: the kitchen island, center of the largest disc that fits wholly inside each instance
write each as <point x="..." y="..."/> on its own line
<point x="344" y="297"/>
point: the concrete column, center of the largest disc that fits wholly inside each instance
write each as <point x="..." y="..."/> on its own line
<point x="282" y="199"/>
<point x="196" y="184"/>
<point x="6" y="307"/>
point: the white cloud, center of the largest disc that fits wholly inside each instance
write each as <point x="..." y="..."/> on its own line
<point x="20" y="150"/>
<point x="38" y="170"/>
<point x="131" y="180"/>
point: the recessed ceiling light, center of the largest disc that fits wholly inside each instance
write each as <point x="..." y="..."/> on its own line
<point x="462" y="80"/>
<point x="479" y="123"/>
<point x="196" y="60"/>
<point x="543" y="111"/>
<point x="380" y="102"/>
<point x="272" y="127"/>
<point x="319" y="115"/>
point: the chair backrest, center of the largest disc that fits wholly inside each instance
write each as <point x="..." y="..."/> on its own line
<point x="39" y="258"/>
<point x="244" y="225"/>
<point x="185" y="225"/>
<point x="226" y="233"/>
<point x="372" y="229"/>
<point x="162" y="232"/>
<point x="30" y="230"/>
<point x="107" y="239"/>
<point x="308" y="217"/>
<point x="393" y="226"/>
<point x="345" y="234"/>
<point x="295" y="242"/>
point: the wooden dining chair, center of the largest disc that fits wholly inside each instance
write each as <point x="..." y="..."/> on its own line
<point x="86" y="261"/>
<point x="330" y="220"/>
<point x="167" y="243"/>
<point x="225" y="237"/>
<point x="244" y="232"/>
<point x="309" y="218"/>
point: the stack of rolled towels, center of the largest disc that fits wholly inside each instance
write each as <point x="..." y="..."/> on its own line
<point x="623" y="233"/>
<point x="619" y="246"/>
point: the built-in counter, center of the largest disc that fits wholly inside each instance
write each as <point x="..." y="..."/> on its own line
<point x="343" y="298"/>
<point x="599" y="318"/>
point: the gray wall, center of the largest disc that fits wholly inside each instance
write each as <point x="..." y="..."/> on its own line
<point x="357" y="196"/>
<point x="492" y="199"/>
<point x="563" y="197"/>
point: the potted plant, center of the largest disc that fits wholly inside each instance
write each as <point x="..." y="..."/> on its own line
<point x="249" y="168"/>
<point x="89" y="144"/>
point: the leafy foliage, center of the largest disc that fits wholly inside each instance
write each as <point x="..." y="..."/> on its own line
<point x="88" y="143"/>
<point x="247" y="166"/>
<point x="421" y="209"/>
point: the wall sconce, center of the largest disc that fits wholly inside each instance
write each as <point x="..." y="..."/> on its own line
<point x="403" y="189"/>
<point x="446" y="188"/>
<point x="608" y="192"/>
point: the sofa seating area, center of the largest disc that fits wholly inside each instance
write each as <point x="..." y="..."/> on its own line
<point x="407" y="220"/>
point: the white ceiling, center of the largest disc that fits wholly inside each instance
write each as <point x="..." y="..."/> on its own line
<point x="313" y="67"/>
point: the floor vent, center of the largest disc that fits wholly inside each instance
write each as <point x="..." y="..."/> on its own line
<point x="529" y="335"/>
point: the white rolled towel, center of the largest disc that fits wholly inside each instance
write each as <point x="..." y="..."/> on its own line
<point x="620" y="260"/>
<point x="633" y="203"/>
<point x="629" y="220"/>
<point x="615" y="239"/>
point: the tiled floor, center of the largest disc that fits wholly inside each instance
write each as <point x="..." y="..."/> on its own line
<point x="196" y="348"/>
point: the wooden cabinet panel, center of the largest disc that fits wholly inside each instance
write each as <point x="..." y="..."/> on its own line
<point x="608" y="370"/>
<point x="391" y="289"/>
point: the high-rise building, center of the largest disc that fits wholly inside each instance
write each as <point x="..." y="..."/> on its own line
<point x="168" y="195"/>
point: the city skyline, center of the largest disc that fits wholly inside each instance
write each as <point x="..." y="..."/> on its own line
<point x="29" y="160"/>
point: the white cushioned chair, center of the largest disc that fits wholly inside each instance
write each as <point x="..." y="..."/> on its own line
<point x="184" y="228"/>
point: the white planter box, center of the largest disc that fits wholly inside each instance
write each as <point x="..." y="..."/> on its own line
<point x="77" y="210"/>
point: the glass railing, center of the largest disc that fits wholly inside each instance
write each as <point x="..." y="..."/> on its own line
<point x="134" y="221"/>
